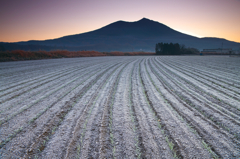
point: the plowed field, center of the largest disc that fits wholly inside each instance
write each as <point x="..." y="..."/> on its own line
<point x="121" y="107"/>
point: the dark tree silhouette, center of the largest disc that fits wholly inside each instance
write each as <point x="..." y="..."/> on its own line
<point x="173" y="49"/>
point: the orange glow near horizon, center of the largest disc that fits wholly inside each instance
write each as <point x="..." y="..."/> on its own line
<point x="48" y="19"/>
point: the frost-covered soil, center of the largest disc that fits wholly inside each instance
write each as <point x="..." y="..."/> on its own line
<point x="121" y="107"/>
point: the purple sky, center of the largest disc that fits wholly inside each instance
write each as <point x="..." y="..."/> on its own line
<point x="22" y="20"/>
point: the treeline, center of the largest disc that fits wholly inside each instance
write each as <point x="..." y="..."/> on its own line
<point x="173" y="49"/>
<point x="19" y="55"/>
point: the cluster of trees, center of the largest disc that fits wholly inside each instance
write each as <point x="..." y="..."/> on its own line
<point x="173" y="49"/>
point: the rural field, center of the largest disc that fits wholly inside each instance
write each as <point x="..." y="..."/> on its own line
<point x="121" y="107"/>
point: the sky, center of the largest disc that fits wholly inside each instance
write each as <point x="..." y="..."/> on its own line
<point x="23" y="20"/>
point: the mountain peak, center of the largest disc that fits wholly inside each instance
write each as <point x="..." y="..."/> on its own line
<point x="144" y="20"/>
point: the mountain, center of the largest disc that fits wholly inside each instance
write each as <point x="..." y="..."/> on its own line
<point x="140" y="35"/>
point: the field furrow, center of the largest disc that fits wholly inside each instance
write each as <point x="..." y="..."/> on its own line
<point x="121" y="107"/>
<point x="10" y="127"/>
<point x="80" y="141"/>
<point x="204" y="96"/>
<point x="218" y="87"/>
<point x="84" y="102"/>
<point x="34" y="93"/>
<point x="177" y="129"/>
<point x="225" y="81"/>
<point x="220" y="142"/>
<point x="41" y="75"/>
<point x="203" y="88"/>
<point x="220" y="118"/>
<point x="215" y="64"/>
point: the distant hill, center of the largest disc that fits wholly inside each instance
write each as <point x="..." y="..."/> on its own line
<point x="141" y="35"/>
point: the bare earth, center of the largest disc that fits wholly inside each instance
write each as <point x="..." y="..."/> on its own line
<point x="121" y="107"/>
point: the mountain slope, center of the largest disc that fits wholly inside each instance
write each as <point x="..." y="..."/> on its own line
<point x="127" y="36"/>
